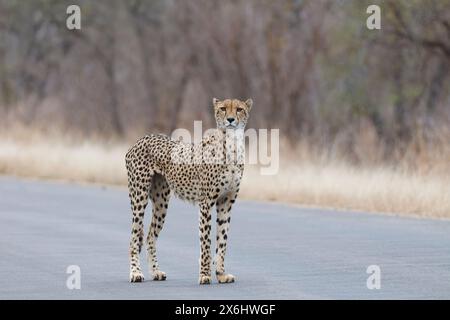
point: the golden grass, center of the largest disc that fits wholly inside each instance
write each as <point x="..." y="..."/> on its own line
<point x="84" y="162"/>
<point x="345" y="187"/>
<point x="324" y="184"/>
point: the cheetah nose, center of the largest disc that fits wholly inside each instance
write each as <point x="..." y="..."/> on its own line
<point x="230" y="120"/>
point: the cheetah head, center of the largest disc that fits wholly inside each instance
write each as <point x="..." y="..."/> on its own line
<point x="232" y="113"/>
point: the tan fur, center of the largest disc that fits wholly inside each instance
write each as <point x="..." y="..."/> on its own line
<point x="158" y="166"/>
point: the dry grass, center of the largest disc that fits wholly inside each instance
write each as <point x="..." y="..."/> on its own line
<point x="329" y="184"/>
<point x="341" y="186"/>
<point x="86" y="162"/>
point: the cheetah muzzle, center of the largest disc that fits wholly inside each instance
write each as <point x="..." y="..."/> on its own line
<point x="207" y="174"/>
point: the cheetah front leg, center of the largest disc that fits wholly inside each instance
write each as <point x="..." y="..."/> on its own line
<point x="223" y="207"/>
<point x="205" y="243"/>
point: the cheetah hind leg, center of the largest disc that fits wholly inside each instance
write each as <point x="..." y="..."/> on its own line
<point x="160" y="195"/>
<point x="138" y="189"/>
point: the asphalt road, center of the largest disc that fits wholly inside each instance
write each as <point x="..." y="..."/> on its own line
<point x="275" y="251"/>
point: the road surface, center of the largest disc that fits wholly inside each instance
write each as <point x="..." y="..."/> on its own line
<point x="275" y="251"/>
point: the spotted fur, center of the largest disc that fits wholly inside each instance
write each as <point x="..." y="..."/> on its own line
<point x="208" y="174"/>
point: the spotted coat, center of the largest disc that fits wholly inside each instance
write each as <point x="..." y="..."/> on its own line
<point x="208" y="174"/>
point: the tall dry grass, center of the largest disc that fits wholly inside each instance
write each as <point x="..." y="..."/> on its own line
<point x="53" y="157"/>
<point x="342" y="186"/>
<point x="306" y="177"/>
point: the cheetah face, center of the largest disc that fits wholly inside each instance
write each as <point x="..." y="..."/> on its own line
<point x="231" y="113"/>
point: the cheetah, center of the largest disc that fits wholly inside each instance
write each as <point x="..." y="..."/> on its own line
<point x="207" y="174"/>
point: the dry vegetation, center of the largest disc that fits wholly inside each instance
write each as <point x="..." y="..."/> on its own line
<point x="306" y="176"/>
<point x="364" y="114"/>
<point x="341" y="186"/>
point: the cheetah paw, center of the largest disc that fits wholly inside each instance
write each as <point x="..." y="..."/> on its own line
<point x="159" y="275"/>
<point x="204" y="280"/>
<point x="225" y="278"/>
<point x="136" y="276"/>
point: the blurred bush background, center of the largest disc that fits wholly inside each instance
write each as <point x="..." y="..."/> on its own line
<point x="337" y="91"/>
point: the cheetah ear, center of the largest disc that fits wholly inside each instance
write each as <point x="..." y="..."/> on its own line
<point x="249" y="103"/>
<point x="215" y="102"/>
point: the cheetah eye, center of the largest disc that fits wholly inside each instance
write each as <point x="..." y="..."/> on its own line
<point x="239" y="109"/>
<point x="223" y="109"/>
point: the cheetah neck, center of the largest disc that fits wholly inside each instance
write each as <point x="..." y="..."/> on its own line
<point x="229" y="143"/>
